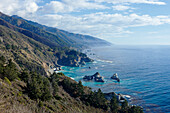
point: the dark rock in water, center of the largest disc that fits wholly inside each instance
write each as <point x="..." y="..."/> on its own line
<point x="88" y="78"/>
<point x="96" y="77"/>
<point x="115" y="77"/>
<point x="97" y="74"/>
<point x="89" y="67"/>
<point x="99" y="79"/>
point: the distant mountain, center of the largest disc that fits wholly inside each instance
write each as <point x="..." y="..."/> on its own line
<point x="84" y="40"/>
<point x="45" y="37"/>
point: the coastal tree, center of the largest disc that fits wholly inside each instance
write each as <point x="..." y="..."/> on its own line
<point x="114" y="105"/>
<point x="124" y="106"/>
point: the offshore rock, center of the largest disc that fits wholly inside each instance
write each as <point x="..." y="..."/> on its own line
<point x="96" y="77"/>
<point x="115" y="77"/>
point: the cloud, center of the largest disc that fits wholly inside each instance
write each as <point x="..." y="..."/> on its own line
<point x="102" y="24"/>
<point x="121" y="7"/>
<point x="75" y="15"/>
<point x="67" y="6"/>
<point x="20" y="7"/>
<point x="154" y="2"/>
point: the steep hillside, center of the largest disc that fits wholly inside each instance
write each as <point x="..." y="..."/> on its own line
<point x="33" y="55"/>
<point x="86" y="40"/>
<point x="43" y="36"/>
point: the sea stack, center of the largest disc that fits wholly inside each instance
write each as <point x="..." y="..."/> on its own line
<point x="96" y="77"/>
<point x="115" y="77"/>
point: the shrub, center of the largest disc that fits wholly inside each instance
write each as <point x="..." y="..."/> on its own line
<point x="10" y="71"/>
<point x="7" y="81"/>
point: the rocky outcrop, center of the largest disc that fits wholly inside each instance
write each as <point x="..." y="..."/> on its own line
<point x="115" y="77"/>
<point x="121" y="98"/>
<point x="96" y="77"/>
<point x="76" y="61"/>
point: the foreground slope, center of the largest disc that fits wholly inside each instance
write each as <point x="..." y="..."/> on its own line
<point x="29" y="92"/>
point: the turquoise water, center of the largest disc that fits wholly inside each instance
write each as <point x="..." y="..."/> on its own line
<point x="144" y="72"/>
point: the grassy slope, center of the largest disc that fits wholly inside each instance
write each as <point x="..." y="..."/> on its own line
<point x="26" y="52"/>
<point x="12" y="100"/>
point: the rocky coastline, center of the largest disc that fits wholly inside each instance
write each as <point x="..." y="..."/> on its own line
<point x="79" y="61"/>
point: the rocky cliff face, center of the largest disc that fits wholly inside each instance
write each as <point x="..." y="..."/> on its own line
<point x="73" y="59"/>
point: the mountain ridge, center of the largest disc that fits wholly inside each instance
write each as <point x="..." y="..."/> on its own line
<point x="79" y="38"/>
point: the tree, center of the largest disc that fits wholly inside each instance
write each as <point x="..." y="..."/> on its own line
<point x="124" y="106"/>
<point x="39" y="87"/>
<point x="10" y="71"/>
<point x="25" y="76"/>
<point x="114" y="105"/>
<point x="135" y="109"/>
<point x="46" y="93"/>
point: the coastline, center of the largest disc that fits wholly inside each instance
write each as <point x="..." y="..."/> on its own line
<point x="69" y="70"/>
<point x="104" y="66"/>
<point x="130" y="83"/>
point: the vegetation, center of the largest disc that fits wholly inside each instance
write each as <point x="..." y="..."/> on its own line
<point x="44" y="90"/>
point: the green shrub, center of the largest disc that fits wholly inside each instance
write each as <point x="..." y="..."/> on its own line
<point x="38" y="87"/>
<point x="7" y="81"/>
<point x="10" y="71"/>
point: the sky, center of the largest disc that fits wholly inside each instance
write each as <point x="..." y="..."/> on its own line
<point x="124" y="22"/>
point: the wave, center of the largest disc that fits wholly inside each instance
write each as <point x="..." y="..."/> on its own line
<point x="107" y="61"/>
<point x="72" y="78"/>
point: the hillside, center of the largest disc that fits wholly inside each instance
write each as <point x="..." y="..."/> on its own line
<point x="29" y="92"/>
<point x="45" y="36"/>
<point x="84" y="40"/>
<point x="28" y="53"/>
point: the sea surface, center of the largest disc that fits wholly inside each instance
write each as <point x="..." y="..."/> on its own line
<point x="144" y="73"/>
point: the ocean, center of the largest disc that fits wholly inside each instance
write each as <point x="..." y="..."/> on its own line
<point x="144" y="73"/>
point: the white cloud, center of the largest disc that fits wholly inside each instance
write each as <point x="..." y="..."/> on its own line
<point x="20" y="7"/>
<point x="66" y="6"/>
<point x="121" y="7"/>
<point x="154" y="2"/>
<point x="102" y="24"/>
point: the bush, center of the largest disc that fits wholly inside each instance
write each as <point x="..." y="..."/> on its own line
<point x="38" y="87"/>
<point x="7" y="81"/>
<point x="10" y="71"/>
